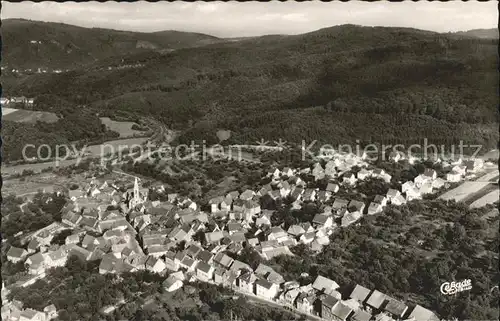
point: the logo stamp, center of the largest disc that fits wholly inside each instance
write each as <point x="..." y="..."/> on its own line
<point x="450" y="288"/>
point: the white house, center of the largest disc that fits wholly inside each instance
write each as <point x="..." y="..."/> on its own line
<point x="413" y="193"/>
<point x="392" y="193"/>
<point x="395" y="156"/>
<point x="266" y="289"/>
<point x="426" y="188"/>
<point x="398" y="200"/>
<point x="172" y="283"/>
<point x="420" y="179"/>
<point x="364" y="173"/>
<point x="374" y="208"/>
<point x="318" y="172"/>
<point x="460" y="169"/>
<point x="350" y="218"/>
<point x="155" y="265"/>
<point x="453" y="177"/>
<point x="349" y="179"/>
<point x="438" y="183"/>
<point x="204" y="271"/>
<point x="406" y="186"/>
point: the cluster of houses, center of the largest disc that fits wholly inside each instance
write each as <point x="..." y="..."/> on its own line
<point x="128" y="232"/>
<point x="17" y="100"/>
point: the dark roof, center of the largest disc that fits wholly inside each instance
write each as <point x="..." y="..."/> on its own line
<point x="204" y="267"/>
<point x="395" y="307"/>
<point x="15" y="252"/>
<point x="329" y="301"/>
<point x="204" y="256"/>
<point x="264" y="283"/>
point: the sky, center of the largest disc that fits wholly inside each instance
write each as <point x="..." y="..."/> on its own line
<point x="242" y="19"/>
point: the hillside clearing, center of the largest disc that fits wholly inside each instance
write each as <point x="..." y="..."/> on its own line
<point x="28" y="116"/>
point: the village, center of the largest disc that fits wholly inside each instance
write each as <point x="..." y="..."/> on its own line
<point x="127" y="232"/>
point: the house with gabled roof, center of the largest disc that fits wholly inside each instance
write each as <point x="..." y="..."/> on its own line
<point x="324" y="285"/>
<point x="396" y="309"/>
<point x="33" y="246"/>
<point x="350" y="218"/>
<point x="360" y="294"/>
<point x="374" y="208"/>
<point x="318" y="172"/>
<point x="382" y="200"/>
<point x="356" y="206"/>
<point x="349" y="179"/>
<point x="285" y="188"/>
<point x="361" y="315"/>
<point x="159" y="250"/>
<point x="438" y="183"/>
<point x="308" y="237"/>
<point x="247" y="195"/>
<point x="420" y="313"/>
<point x="188" y="264"/>
<point x="238" y="267"/>
<point x="215" y="203"/>
<point x="268" y="273"/>
<point x="223" y="261"/>
<point x="266" y="289"/>
<point x="453" y="177"/>
<point x="204" y="271"/>
<point x="322" y="221"/>
<point x="277" y="233"/>
<point x="288" y="297"/>
<point x="305" y="301"/>
<point x="323" y="196"/>
<point x="341" y="312"/>
<point x="214" y="237"/>
<point x="16" y="254"/>
<point x="172" y="283"/>
<point x="398" y="200"/>
<point x="339" y="204"/>
<point x="205" y="256"/>
<point x="375" y="302"/>
<point x="392" y="193"/>
<point x="406" y="186"/>
<point x="297" y="193"/>
<point x="309" y="195"/>
<point x="364" y="174"/>
<point x="296" y="230"/>
<point x="246" y="281"/>
<point x="328" y="302"/>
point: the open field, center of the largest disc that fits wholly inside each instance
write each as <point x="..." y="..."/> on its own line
<point x="28" y="116"/>
<point x="489" y="198"/>
<point x="124" y="128"/>
<point x="470" y="191"/>
<point x="464" y="191"/>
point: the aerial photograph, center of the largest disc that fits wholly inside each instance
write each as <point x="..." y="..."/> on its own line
<point x="250" y="161"/>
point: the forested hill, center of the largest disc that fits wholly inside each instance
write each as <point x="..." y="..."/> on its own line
<point x="36" y="44"/>
<point x="336" y="84"/>
<point x="480" y="33"/>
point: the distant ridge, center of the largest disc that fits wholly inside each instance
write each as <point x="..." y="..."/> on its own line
<point x="480" y="33"/>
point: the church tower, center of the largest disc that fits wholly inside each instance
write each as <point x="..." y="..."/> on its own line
<point x="137" y="196"/>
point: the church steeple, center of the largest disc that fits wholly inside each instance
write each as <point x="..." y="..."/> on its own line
<point x="137" y="197"/>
